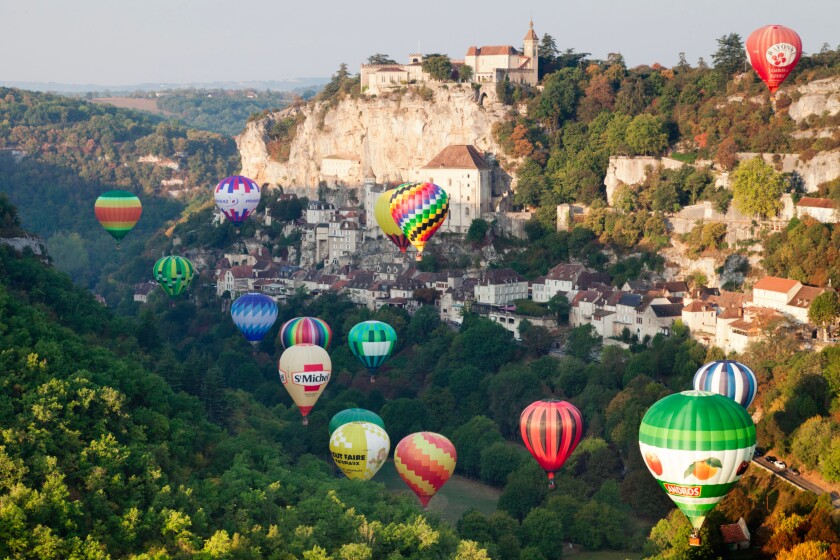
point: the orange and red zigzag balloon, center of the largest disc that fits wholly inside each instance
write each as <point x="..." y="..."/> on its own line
<point x="425" y="461"/>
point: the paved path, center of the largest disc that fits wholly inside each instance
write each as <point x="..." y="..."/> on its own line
<point x="797" y="482"/>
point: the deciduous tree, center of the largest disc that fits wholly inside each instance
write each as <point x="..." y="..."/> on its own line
<point x="756" y="188"/>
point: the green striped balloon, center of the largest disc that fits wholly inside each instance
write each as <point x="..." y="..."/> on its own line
<point x="697" y="445"/>
<point x="372" y="342"/>
<point x="173" y="274"/>
<point x="354" y="415"/>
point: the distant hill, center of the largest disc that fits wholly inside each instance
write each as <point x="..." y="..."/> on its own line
<point x="289" y="84"/>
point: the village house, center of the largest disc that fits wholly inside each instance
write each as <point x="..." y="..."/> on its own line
<point x="142" y="291"/>
<point x="462" y="172"/>
<point x="511" y="321"/>
<point x="785" y="295"/>
<point x="561" y="278"/>
<point x="821" y="209"/>
<point x="500" y="286"/>
<point x="453" y="301"/>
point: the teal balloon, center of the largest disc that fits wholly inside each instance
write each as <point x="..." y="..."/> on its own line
<point x="354" y="415"/>
<point x="372" y="342"/>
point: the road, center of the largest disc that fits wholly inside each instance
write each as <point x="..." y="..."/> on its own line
<point x="797" y="482"/>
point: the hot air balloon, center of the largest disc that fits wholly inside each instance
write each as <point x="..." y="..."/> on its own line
<point x="359" y="449"/>
<point x="254" y="315"/>
<point x="551" y="430"/>
<point x="419" y="209"/>
<point x="773" y="51"/>
<point x="305" y="330"/>
<point x="354" y="415"/>
<point x="697" y="445"/>
<point x="174" y="274"/>
<point x="425" y="461"/>
<point x="728" y="378"/>
<point x="305" y="371"/>
<point x="382" y="211"/>
<point x="237" y="197"/>
<point x="372" y="342"/>
<point x="118" y="212"/>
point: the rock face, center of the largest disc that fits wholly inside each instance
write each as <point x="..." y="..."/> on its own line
<point x="389" y="135"/>
<point x="632" y="171"/>
<point x="817" y="97"/>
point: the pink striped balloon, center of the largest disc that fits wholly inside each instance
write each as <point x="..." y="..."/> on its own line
<point x="305" y="330"/>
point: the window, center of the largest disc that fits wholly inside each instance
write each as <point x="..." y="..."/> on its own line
<point x="466" y="211"/>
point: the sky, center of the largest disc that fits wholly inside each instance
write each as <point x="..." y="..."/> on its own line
<point x="117" y="43"/>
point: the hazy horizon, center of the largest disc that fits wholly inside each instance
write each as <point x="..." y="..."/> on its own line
<point x="115" y="44"/>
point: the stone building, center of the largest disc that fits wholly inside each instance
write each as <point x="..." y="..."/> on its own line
<point x="462" y="172"/>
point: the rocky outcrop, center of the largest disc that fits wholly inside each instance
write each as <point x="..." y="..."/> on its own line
<point x="20" y="244"/>
<point x="389" y="134"/>
<point x="816" y="98"/>
<point x="632" y="171"/>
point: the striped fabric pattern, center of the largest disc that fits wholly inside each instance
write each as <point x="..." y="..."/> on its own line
<point x="551" y="430"/>
<point x="419" y="209"/>
<point x="425" y="461"/>
<point x="697" y="445"/>
<point x="372" y="342"/>
<point x="305" y="330"/>
<point x="254" y="314"/>
<point x="237" y="197"/>
<point x="728" y="378"/>
<point x="118" y="212"/>
<point x="174" y="274"/>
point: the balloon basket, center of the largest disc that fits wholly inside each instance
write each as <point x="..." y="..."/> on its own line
<point x="419" y="257"/>
<point x="305" y="421"/>
<point x="694" y="540"/>
<point x="372" y="379"/>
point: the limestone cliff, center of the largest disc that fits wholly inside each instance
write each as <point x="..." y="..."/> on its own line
<point x="387" y="135"/>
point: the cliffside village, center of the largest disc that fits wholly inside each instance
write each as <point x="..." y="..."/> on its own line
<point x="332" y="238"/>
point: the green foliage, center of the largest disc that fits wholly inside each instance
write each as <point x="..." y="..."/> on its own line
<point x="730" y="58"/>
<point x="756" y="188"/>
<point x="825" y="309"/>
<point x="478" y="231"/>
<point x="438" y="66"/>
<point x="807" y="250"/>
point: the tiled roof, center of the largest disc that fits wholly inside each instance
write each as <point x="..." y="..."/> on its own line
<point x="812" y="202"/>
<point x="774" y="284"/>
<point x="531" y="35"/>
<point x="697" y="307"/>
<point x="391" y="69"/>
<point x="565" y="271"/>
<point x="805" y="296"/>
<point x="586" y="297"/>
<point x="667" y="310"/>
<point x="491" y="50"/>
<point x="733" y="534"/>
<point x="500" y="276"/>
<point x="630" y="300"/>
<point x="458" y="156"/>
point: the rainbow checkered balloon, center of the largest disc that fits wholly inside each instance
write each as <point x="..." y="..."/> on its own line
<point x="425" y="461"/>
<point x="419" y="209"/>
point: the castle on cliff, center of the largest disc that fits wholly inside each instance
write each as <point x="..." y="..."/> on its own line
<point x="490" y="64"/>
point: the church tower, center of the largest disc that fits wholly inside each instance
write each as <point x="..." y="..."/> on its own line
<point x="531" y="49"/>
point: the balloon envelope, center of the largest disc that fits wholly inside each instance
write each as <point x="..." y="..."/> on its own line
<point x="728" y="378"/>
<point x="237" y="197"/>
<point x="372" y="342"/>
<point x="419" y="209"/>
<point x="305" y="330"/>
<point x="425" y="461"/>
<point x="174" y="274"/>
<point x="254" y="314"/>
<point x="382" y="211"/>
<point x="696" y="445"/>
<point x="551" y="430"/>
<point x="304" y="371"/>
<point x="354" y="415"/>
<point x="773" y="52"/>
<point x="118" y="212"/>
<point x="359" y="449"/>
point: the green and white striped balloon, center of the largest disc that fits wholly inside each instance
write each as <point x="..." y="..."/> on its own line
<point x="697" y="445"/>
<point x="372" y="342"/>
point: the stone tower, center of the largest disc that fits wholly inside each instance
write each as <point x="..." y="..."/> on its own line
<point x="531" y="49"/>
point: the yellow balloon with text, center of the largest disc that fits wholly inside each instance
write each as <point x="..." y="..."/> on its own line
<point x="359" y="449"/>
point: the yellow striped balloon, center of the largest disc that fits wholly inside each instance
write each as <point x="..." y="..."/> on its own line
<point x="425" y="461"/>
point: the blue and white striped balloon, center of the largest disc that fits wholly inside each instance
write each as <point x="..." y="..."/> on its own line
<point x="728" y="378"/>
<point x="254" y="314"/>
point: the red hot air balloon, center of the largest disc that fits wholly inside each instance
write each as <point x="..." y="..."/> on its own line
<point x="773" y="51"/>
<point x="425" y="461"/>
<point x="551" y="430"/>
